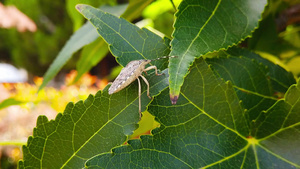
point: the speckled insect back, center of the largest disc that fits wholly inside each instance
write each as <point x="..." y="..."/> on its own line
<point x="128" y="74"/>
<point x="133" y="70"/>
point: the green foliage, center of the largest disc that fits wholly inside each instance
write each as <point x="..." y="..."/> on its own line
<point x="235" y="110"/>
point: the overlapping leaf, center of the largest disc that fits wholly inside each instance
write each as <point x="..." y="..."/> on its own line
<point x="87" y="128"/>
<point x="204" y="26"/>
<point x="208" y="128"/>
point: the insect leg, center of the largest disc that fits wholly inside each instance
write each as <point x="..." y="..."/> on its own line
<point x="140" y="111"/>
<point x="148" y="88"/>
<point x="153" y="67"/>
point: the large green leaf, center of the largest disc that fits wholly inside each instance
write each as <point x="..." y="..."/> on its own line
<point x="126" y="41"/>
<point x="205" y="26"/>
<point x="88" y="128"/>
<point x="208" y="128"/>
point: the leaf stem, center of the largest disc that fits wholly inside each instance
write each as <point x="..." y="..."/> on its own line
<point x="15" y="143"/>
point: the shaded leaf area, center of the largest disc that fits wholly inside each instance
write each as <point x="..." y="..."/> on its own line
<point x="88" y="128"/>
<point x="257" y="80"/>
<point x="205" y="26"/>
<point x="207" y="128"/>
<point x="126" y="41"/>
<point x="83" y="36"/>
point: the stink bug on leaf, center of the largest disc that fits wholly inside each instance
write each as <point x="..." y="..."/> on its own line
<point x="133" y="70"/>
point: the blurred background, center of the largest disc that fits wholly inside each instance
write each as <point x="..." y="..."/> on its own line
<point x="34" y="33"/>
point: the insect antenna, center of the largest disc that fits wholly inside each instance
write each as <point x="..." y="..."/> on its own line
<point x="164" y="57"/>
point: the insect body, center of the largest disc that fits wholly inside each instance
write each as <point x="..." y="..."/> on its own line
<point x="133" y="70"/>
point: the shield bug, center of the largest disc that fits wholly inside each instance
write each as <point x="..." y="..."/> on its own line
<point x="133" y="70"/>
